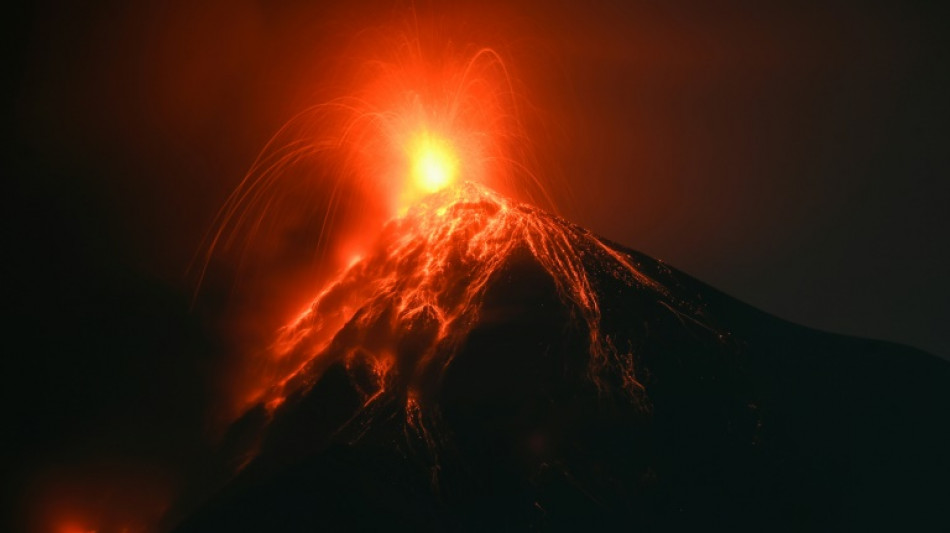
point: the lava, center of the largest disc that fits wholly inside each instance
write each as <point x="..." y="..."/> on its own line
<point x="403" y="309"/>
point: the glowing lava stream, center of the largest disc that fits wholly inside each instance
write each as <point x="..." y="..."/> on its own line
<point x="424" y="279"/>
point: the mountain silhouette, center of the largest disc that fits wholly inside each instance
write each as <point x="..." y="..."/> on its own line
<point x="489" y="366"/>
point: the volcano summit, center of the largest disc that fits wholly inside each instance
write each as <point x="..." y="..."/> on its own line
<point x="490" y="366"/>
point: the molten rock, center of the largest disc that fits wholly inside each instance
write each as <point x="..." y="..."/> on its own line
<point x="490" y="366"/>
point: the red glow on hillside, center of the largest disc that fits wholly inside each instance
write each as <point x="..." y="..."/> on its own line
<point x="401" y="311"/>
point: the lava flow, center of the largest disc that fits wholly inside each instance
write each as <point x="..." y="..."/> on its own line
<point x="403" y="309"/>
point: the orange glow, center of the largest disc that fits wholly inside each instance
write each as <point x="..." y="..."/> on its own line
<point x="434" y="163"/>
<point x="413" y="116"/>
<point x="105" y="496"/>
<point x="422" y="283"/>
<point x="69" y="527"/>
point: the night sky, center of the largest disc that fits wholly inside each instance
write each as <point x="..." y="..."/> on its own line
<point x="793" y="156"/>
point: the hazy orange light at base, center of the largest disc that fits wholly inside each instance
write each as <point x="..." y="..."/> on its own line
<point x="74" y="528"/>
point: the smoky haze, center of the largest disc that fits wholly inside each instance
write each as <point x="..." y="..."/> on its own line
<point x="793" y="156"/>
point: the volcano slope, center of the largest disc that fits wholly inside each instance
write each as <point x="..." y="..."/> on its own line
<point x="489" y="366"/>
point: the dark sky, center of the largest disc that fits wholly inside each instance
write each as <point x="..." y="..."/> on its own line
<point x="794" y="156"/>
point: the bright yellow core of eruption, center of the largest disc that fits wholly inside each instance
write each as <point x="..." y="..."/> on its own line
<point x="434" y="163"/>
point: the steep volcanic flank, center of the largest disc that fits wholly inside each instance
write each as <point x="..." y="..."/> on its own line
<point x="406" y="309"/>
<point x="490" y="366"/>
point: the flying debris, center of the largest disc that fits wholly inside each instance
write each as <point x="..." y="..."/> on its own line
<point x="487" y="365"/>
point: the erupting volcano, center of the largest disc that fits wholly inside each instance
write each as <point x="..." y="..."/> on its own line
<point x="367" y="266"/>
<point x="489" y="365"/>
<point x="480" y="363"/>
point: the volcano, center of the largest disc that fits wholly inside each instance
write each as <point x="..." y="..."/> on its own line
<point x="487" y="365"/>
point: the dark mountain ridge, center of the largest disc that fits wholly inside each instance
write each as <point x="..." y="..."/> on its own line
<point x="501" y="369"/>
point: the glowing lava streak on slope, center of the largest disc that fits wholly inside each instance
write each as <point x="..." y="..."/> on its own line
<point x="404" y="309"/>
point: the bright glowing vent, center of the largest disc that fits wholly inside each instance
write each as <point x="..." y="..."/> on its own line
<point x="434" y="162"/>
